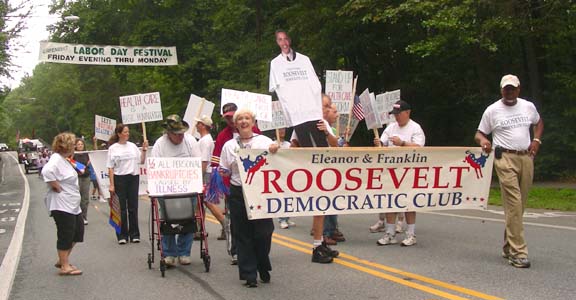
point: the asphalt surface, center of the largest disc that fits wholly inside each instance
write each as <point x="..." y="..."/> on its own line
<point x="457" y="257"/>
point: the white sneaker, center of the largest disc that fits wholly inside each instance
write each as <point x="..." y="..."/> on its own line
<point x="387" y="239"/>
<point x="378" y="227"/>
<point x="85" y="222"/>
<point x="122" y="241"/>
<point x="184" y="260"/>
<point x="284" y="224"/>
<point x="234" y="259"/>
<point x="102" y="199"/>
<point x="409" y="240"/>
<point x="399" y="227"/>
<point x="170" y="261"/>
<point x="291" y="224"/>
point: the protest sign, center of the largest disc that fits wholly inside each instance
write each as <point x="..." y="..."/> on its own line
<point x="107" y="55"/>
<point x="384" y="103"/>
<point x="174" y="175"/>
<point x="371" y="116"/>
<point x="339" y="89"/>
<point x="343" y="122"/>
<point x="98" y="160"/>
<point x="278" y="118"/>
<point x="104" y="127"/>
<point x="141" y="108"/>
<point x="197" y="107"/>
<point x="260" y="104"/>
<point x="309" y="182"/>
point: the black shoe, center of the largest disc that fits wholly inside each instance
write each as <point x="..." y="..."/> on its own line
<point x="251" y="283"/>
<point x="333" y="253"/>
<point x="265" y="276"/>
<point x="321" y="255"/>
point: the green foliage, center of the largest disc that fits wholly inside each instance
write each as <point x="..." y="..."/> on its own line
<point x="545" y="198"/>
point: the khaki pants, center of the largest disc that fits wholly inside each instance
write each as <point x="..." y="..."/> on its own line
<point x="515" y="173"/>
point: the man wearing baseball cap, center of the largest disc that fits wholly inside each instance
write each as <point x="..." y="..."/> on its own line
<point x="509" y="120"/>
<point x="402" y="133"/>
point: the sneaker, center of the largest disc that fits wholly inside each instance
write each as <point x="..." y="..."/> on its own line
<point x="85" y="222"/>
<point x="284" y="224"/>
<point x="222" y="235"/>
<point x="234" y="260"/>
<point x="409" y="240"/>
<point x="101" y="199"/>
<point x="121" y="241"/>
<point x="337" y="233"/>
<point x="399" y="227"/>
<point x="135" y="240"/>
<point x="506" y="255"/>
<point x="291" y="224"/>
<point x="387" y="239"/>
<point x="519" y="262"/>
<point x="170" y="261"/>
<point x="332" y="252"/>
<point x="378" y="227"/>
<point x="338" y="238"/>
<point x="93" y="198"/>
<point x="320" y="255"/>
<point x="329" y="241"/>
<point x="184" y="260"/>
<point x="264" y="276"/>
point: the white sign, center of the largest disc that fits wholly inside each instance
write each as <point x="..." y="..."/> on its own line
<point x="141" y="108"/>
<point x="339" y="89"/>
<point x="329" y="181"/>
<point x="104" y="127"/>
<point x="260" y="104"/>
<point x="98" y="160"/>
<point x="343" y="121"/>
<point x="278" y="118"/>
<point x="371" y="116"/>
<point x="384" y="104"/>
<point x="107" y="55"/>
<point x="174" y="175"/>
<point x="197" y="107"/>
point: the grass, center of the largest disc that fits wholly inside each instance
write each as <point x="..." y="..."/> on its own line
<point x="544" y="198"/>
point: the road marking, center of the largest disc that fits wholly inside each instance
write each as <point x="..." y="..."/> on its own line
<point x="354" y="263"/>
<point x="2" y="231"/>
<point x="8" y="219"/>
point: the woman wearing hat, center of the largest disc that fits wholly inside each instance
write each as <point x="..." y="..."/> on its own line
<point x="123" y="165"/>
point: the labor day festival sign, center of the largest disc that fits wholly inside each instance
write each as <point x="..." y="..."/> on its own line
<point x="306" y="182"/>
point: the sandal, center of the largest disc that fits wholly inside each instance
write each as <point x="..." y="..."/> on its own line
<point x="59" y="266"/>
<point x="70" y="272"/>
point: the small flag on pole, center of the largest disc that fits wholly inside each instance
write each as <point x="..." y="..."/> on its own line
<point x="357" y="109"/>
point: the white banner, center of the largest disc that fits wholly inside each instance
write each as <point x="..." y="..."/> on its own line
<point x="260" y="104"/>
<point x="371" y="116"/>
<point x="98" y="160"/>
<point x="339" y="88"/>
<point x="174" y="175"/>
<point x="328" y="181"/>
<point x="107" y="55"/>
<point x="384" y="103"/>
<point x="278" y="118"/>
<point x="141" y="108"/>
<point x="197" y="107"/>
<point x="103" y="127"/>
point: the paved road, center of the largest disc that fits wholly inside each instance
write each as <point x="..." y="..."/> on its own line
<point x="457" y="257"/>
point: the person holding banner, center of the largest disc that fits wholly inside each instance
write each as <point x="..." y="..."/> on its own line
<point x="84" y="178"/>
<point x="123" y="165"/>
<point x="176" y="143"/>
<point x="63" y="200"/>
<point x="402" y="133"/>
<point x="509" y="120"/>
<point x="253" y="237"/>
<point x="284" y="222"/>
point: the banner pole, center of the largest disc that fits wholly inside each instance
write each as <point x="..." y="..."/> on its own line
<point x="278" y="136"/>
<point x="144" y="131"/>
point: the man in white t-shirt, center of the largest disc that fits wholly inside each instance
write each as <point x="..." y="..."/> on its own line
<point x="176" y="143"/>
<point x="402" y="133"/>
<point x="509" y="120"/>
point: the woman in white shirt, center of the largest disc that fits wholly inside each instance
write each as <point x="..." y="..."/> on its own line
<point x="63" y="200"/>
<point x="253" y="237"/>
<point x="123" y="165"/>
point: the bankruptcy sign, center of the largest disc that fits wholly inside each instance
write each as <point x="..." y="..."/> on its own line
<point x="107" y="55"/>
<point x="305" y="182"/>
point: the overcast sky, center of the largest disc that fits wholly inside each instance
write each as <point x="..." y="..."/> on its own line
<point x="25" y="56"/>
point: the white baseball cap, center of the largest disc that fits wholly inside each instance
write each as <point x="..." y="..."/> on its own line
<point x="205" y="120"/>
<point x="509" y="80"/>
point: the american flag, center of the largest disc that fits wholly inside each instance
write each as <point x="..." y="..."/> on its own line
<point x="357" y="110"/>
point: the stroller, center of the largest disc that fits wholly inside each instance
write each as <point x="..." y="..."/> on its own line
<point x="175" y="214"/>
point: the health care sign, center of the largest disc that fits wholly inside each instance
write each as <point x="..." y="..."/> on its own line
<point x="107" y="55"/>
<point x="304" y="182"/>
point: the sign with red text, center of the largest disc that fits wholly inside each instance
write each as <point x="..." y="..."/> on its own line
<point x="141" y="108"/>
<point x="339" y="89"/>
<point x="308" y="181"/>
<point x="103" y="127"/>
<point x="174" y="175"/>
<point x="260" y="104"/>
<point x="98" y="160"/>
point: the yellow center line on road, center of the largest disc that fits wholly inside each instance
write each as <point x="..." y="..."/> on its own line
<point x="352" y="262"/>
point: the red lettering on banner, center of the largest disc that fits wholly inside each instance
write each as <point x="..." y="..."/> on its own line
<point x="437" y="179"/>
<point x="320" y="182"/>
<point x="459" y="175"/>
<point x="290" y="180"/>
<point x="273" y="181"/>
<point x="417" y="177"/>
<point x="371" y="177"/>
<point x="395" y="180"/>
<point x="352" y="178"/>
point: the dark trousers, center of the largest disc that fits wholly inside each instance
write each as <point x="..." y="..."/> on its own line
<point x="253" y="238"/>
<point x="126" y="187"/>
<point x="310" y="136"/>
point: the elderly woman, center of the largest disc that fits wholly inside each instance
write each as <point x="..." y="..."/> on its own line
<point x="63" y="200"/>
<point x="254" y="237"/>
<point x="123" y="165"/>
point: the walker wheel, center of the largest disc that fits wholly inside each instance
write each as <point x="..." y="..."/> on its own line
<point x="207" y="263"/>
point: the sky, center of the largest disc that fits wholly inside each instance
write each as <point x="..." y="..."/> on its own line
<point x="25" y="57"/>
